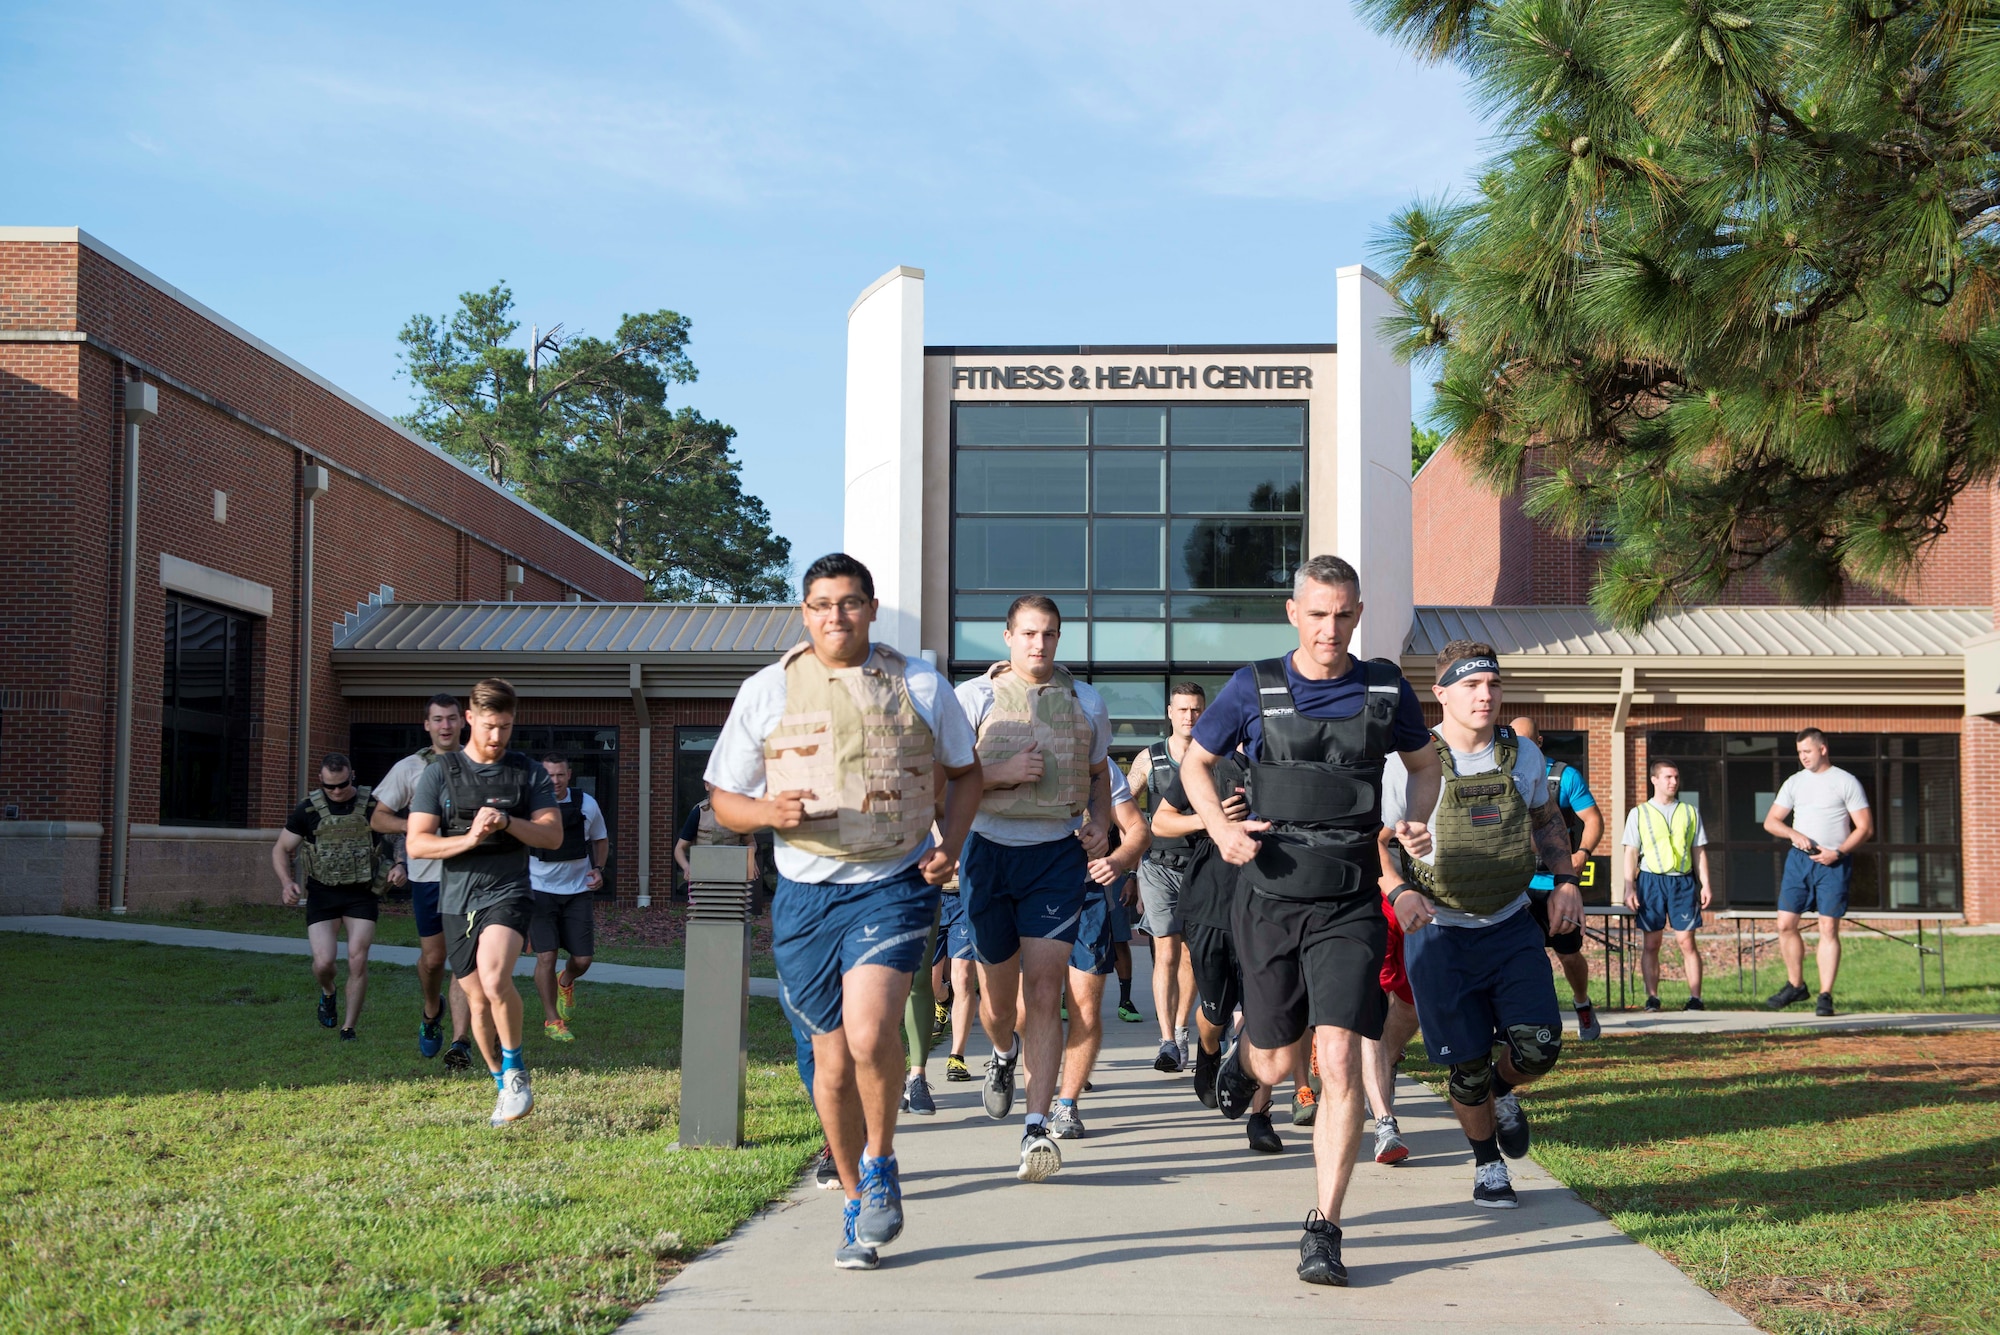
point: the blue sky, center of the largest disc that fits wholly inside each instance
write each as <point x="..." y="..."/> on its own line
<point x="1064" y="173"/>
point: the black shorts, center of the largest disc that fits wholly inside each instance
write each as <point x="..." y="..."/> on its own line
<point x="1570" y="942"/>
<point x="1308" y="963"/>
<point x="1218" y="978"/>
<point x="563" y="922"/>
<point x="325" y="903"/>
<point x="461" y="931"/>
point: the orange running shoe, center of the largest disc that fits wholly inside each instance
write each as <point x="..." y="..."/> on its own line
<point x="1305" y="1105"/>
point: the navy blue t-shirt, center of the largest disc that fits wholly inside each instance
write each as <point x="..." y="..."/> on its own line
<point x="1237" y="713"/>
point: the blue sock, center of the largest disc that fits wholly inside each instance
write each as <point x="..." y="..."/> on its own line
<point x="499" y="1079"/>
<point x="510" y="1060"/>
<point x="1066" y="1103"/>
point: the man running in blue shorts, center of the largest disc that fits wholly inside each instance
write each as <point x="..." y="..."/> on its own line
<point x="835" y="747"/>
<point x="1043" y="739"/>
<point x="954" y="946"/>
<point x="1472" y="949"/>
<point x="1665" y="846"/>
<point x="1822" y="812"/>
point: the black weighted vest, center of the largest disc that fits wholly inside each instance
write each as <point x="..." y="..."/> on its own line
<point x="465" y="792"/>
<point x="574" y="846"/>
<point x="1167" y="852"/>
<point x="1319" y="783"/>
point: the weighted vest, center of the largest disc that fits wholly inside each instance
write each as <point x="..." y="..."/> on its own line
<point x="1571" y="821"/>
<point x="1050" y="716"/>
<point x="1172" y="853"/>
<point x="853" y="739"/>
<point x="466" y="791"/>
<point x="342" y="849"/>
<point x="709" y="830"/>
<point x="1319" y="783"/>
<point x="1483" y="843"/>
<point x="574" y="846"/>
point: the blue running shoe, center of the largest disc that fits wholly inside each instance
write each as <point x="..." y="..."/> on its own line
<point x="430" y="1035"/>
<point x="881" y="1202"/>
<point x="854" y="1254"/>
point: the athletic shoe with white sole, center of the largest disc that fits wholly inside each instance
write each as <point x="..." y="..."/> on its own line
<point x="1389" y="1146"/>
<point x="999" y="1092"/>
<point x="1587" y="1027"/>
<point x="854" y="1254"/>
<point x="1493" y="1187"/>
<point x="826" y="1175"/>
<point x="1510" y="1124"/>
<point x="516" y="1099"/>
<point x="1065" y="1122"/>
<point x="917" y="1096"/>
<point x="1040" y="1159"/>
<point x="1319" y="1253"/>
<point x="1169" y="1058"/>
<point x="881" y="1220"/>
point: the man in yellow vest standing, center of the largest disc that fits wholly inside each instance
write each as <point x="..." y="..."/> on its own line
<point x="835" y="748"/>
<point x="1666" y="878"/>
<point x="1043" y="739"/>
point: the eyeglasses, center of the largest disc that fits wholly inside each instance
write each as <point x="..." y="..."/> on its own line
<point x="848" y="606"/>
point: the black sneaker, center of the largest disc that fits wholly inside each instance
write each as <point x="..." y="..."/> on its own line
<point x="1824" y="1006"/>
<point x="956" y="1069"/>
<point x="1510" y="1125"/>
<point x="1233" y="1086"/>
<point x="1694" y="1004"/>
<point x="1652" y="1005"/>
<point x="1785" y="996"/>
<point x="1205" y="1065"/>
<point x="825" y="1176"/>
<point x="1263" y="1136"/>
<point x="1319" y="1253"/>
<point x="1493" y="1187"/>
<point x="327" y="1017"/>
<point x="999" y="1092"/>
<point x="347" y="1034"/>
<point x="458" y="1057"/>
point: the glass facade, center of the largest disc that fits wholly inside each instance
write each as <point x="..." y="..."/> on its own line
<point x="1166" y="533"/>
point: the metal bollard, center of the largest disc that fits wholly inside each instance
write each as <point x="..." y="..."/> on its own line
<point x="715" y="1002"/>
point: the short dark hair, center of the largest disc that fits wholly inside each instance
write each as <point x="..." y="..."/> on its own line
<point x="1034" y="602"/>
<point x="1192" y="688"/>
<point x="442" y="700"/>
<point x="1329" y="570"/>
<point x="333" y="762"/>
<point x="553" y="759"/>
<point x="1458" y="649"/>
<point x="495" y="695"/>
<point x="1813" y="734"/>
<point x="1653" y="767"/>
<point x="837" y="565"/>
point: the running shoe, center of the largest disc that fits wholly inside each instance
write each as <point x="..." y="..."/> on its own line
<point x="955" y="1068"/>
<point x="826" y="1174"/>
<point x="1510" y="1124"/>
<point x="854" y="1254"/>
<point x="1205" y="1066"/>
<point x="516" y="1099"/>
<point x="1129" y="1013"/>
<point x="1040" y="1159"/>
<point x="1233" y="1086"/>
<point x="1305" y="1105"/>
<point x="1319" y="1253"/>
<point x="327" y="1017"/>
<point x="1263" y="1136"/>
<point x="557" y="1031"/>
<point x="1181" y="1042"/>
<point x="1824" y="1006"/>
<point x="881" y="1220"/>
<point x="1066" y="1122"/>
<point x="1389" y="1146"/>
<point x="347" y="1034"/>
<point x="940" y="1021"/>
<point x="1785" y="996"/>
<point x="430" y="1035"/>
<point x="1694" y="1004"/>
<point x="1000" y="1083"/>
<point x="1652" y="1005"/>
<point x="1493" y="1187"/>
<point x="459" y="1056"/>
<point x="1170" y="1056"/>
<point x="565" y="997"/>
<point x="1587" y="1027"/>
<point x="917" y="1096"/>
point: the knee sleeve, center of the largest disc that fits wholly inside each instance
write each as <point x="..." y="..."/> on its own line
<point x="1534" y="1048"/>
<point x="1471" y="1081"/>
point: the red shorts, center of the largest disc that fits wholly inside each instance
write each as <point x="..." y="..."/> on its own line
<point x="1394" y="981"/>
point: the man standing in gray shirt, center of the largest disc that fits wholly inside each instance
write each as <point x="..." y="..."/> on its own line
<point x="1822" y="812"/>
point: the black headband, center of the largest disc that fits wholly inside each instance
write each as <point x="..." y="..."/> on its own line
<point x="1465" y="667"/>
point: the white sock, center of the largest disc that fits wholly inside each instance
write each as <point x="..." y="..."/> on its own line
<point x="1008" y="1055"/>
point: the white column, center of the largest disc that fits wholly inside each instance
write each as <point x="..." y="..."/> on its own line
<point x="884" y="524"/>
<point x="1373" y="528"/>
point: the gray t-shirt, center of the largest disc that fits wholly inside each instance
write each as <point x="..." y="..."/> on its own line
<point x="1821" y="804"/>
<point x="1023" y="831"/>
<point x="1530" y="778"/>
<point x="485" y="876"/>
<point x="394" y="792"/>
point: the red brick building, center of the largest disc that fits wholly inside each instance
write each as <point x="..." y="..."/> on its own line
<point x="1906" y="682"/>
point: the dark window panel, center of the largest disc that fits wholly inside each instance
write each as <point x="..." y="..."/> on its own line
<point x="1125" y="424"/>
<point x="1131" y="483"/>
<point x="1238" y="481"/>
<point x="1205" y="425"/>
<point x="1021" y="424"/>
<point x="1234" y="554"/>
<point x="1027" y="482"/>
<point x="1020" y="553"/>
<point x="1131" y="553"/>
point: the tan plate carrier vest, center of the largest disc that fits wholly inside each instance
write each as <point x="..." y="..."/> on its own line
<point x="1053" y="718"/>
<point x="342" y="851"/>
<point x="709" y="830"/>
<point x="1483" y="836"/>
<point x="852" y="738"/>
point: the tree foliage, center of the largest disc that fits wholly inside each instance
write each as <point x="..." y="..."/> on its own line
<point x="1424" y="442"/>
<point x="581" y="428"/>
<point x="1729" y="287"/>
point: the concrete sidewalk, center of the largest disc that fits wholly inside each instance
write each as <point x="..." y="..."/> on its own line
<point x="1162" y="1221"/>
<point x="1744" y="1022"/>
<point x="98" y="929"/>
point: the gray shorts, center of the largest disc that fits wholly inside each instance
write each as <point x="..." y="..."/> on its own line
<point x="1160" y="900"/>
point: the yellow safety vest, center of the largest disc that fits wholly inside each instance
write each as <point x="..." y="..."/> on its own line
<point x="1666" y="838"/>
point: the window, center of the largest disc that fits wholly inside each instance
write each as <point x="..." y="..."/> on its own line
<point x="1912" y="785"/>
<point x="205" y="716"/>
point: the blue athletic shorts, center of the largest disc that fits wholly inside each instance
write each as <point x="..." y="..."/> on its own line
<point x="1011" y="893"/>
<point x="1669" y="899"/>
<point x="1471" y="983"/>
<point x="1810" y="888"/>
<point x="424" y="904"/>
<point x="819" y="932"/>
<point x="1093" y="951"/>
<point x="954" y="930"/>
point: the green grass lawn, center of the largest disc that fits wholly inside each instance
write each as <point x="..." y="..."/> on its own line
<point x="185" y="1148"/>
<point x="1875" y="975"/>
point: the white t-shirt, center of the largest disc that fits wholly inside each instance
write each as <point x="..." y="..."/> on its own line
<point x="1530" y="778"/>
<point x="737" y="763"/>
<point x="1821" y="804"/>
<point x="398" y="786"/>
<point x="567" y="878"/>
<point x="1632" y="839"/>
<point x="1020" y="831"/>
